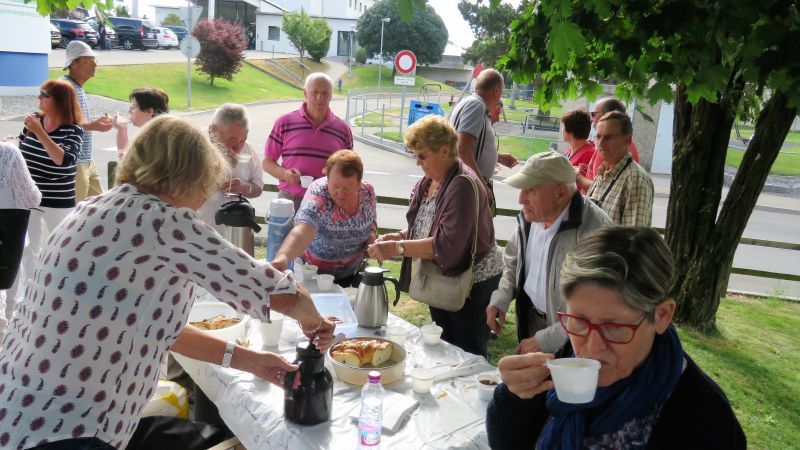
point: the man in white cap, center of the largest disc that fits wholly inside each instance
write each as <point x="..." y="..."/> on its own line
<point x="555" y="217"/>
<point x="81" y="65"/>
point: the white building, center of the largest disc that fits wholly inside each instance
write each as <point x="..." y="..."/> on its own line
<point x="264" y="17"/>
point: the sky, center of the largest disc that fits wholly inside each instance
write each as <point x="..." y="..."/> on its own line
<point x="458" y="29"/>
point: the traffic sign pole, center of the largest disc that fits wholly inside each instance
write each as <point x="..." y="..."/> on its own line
<point x="405" y="62"/>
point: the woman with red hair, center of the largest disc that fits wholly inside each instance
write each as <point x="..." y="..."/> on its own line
<point x="50" y="143"/>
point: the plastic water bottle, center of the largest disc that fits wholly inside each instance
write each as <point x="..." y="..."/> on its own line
<point x="369" y="421"/>
<point x="279" y="222"/>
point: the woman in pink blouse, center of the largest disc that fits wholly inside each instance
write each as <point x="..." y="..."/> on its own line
<point x="112" y="293"/>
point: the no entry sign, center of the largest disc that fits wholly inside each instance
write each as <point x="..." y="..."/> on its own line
<point x="405" y="62"/>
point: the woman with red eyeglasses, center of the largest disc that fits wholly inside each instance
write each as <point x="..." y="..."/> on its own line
<point x="650" y="394"/>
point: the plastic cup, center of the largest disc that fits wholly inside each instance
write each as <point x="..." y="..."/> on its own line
<point x="324" y="282"/>
<point x="119" y="119"/>
<point x="309" y="270"/>
<point x="421" y="380"/>
<point x="575" y="379"/>
<point x="306" y="180"/>
<point x="271" y="332"/>
<point x="396" y="334"/>
<point x="431" y="334"/>
<point x="486" y="385"/>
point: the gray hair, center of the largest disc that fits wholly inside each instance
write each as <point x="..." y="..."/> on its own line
<point x="312" y="77"/>
<point x="230" y="113"/>
<point x="609" y="104"/>
<point x="633" y="261"/>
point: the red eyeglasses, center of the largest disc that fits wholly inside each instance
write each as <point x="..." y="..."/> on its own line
<point x="614" y="333"/>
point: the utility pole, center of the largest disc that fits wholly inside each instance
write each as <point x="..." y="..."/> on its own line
<point x="384" y="21"/>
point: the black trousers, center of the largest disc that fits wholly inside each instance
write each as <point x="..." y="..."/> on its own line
<point x="13" y="226"/>
<point x="466" y="328"/>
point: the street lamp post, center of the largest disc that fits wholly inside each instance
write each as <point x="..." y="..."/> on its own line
<point x="350" y="58"/>
<point x="380" y="55"/>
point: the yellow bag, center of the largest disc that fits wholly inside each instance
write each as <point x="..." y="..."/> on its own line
<point x="170" y="399"/>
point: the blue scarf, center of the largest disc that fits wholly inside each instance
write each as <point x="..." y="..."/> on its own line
<point x="649" y="385"/>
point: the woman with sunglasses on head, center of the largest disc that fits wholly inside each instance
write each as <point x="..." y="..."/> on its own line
<point x="650" y="394"/>
<point x="49" y="142"/>
<point x="146" y="103"/>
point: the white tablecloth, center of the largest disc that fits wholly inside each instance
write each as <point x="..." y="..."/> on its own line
<point x="451" y="416"/>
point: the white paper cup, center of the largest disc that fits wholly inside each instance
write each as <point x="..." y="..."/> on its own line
<point x="575" y="378"/>
<point x="431" y="334"/>
<point x="486" y="385"/>
<point x="306" y="180"/>
<point x="271" y="332"/>
<point x="324" y="282"/>
<point x="421" y="380"/>
<point x="396" y="334"/>
<point x="309" y="270"/>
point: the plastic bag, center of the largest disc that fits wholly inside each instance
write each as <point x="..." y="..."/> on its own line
<point x="170" y="399"/>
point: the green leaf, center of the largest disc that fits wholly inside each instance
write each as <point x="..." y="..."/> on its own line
<point x="661" y="90"/>
<point x="566" y="37"/>
<point x="406" y="9"/>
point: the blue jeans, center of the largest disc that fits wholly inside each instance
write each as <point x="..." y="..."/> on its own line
<point x="466" y="328"/>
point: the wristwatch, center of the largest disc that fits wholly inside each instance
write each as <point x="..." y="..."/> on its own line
<point x="228" y="355"/>
<point x="401" y="247"/>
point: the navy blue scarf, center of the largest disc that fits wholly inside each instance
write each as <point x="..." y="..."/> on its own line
<point x="649" y="385"/>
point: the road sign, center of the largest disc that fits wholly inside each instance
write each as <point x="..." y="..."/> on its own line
<point x="190" y="47"/>
<point x="403" y="81"/>
<point x="190" y="15"/>
<point x="405" y="62"/>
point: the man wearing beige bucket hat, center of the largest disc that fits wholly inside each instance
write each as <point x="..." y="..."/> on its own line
<point x="80" y="65"/>
<point x="555" y="217"/>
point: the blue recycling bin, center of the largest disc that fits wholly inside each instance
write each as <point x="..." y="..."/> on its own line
<point x="418" y="110"/>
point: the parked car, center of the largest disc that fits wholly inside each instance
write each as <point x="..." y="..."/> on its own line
<point x="112" y="35"/>
<point x="75" y="30"/>
<point x="166" y="37"/>
<point x="55" y="36"/>
<point x="134" y="33"/>
<point x="181" y="32"/>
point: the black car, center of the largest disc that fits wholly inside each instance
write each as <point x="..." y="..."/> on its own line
<point x="134" y="33"/>
<point x="111" y="33"/>
<point x="75" y="30"/>
<point x="181" y="32"/>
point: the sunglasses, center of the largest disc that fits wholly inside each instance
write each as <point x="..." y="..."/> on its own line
<point x="44" y="93"/>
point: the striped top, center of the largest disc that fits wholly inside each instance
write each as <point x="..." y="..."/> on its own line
<point x="56" y="182"/>
<point x="85" y="155"/>
<point x="302" y="146"/>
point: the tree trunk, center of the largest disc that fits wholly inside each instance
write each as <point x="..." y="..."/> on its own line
<point x="704" y="243"/>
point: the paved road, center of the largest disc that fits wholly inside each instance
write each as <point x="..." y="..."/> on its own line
<point x="119" y="57"/>
<point x="395" y="175"/>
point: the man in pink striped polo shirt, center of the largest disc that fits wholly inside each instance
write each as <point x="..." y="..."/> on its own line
<point x="304" y="139"/>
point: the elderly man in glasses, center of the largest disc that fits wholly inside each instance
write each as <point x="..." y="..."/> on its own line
<point x="622" y="188"/>
<point x="554" y="219"/>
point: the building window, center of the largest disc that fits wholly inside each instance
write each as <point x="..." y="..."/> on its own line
<point x="274" y="33"/>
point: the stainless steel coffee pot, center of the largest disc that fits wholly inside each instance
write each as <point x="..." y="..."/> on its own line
<point x="372" y="299"/>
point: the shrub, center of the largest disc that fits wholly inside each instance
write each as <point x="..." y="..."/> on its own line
<point x="222" y="45"/>
<point x="361" y="55"/>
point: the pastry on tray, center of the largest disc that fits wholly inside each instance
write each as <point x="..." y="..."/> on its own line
<point x="216" y="322"/>
<point x="358" y="353"/>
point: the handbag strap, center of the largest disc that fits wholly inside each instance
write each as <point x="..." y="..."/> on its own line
<point x="477" y="217"/>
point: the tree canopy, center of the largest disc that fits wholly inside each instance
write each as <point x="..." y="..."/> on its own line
<point x="490" y="26"/>
<point x="307" y="34"/>
<point x="425" y="34"/>
<point x="703" y="57"/>
<point x="173" y="19"/>
<point x="222" y="45"/>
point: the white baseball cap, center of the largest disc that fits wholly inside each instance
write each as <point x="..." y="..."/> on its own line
<point x="76" y="49"/>
<point x="541" y="167"/>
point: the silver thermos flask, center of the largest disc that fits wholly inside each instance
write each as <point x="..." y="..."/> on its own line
<point x="239" y="218"/>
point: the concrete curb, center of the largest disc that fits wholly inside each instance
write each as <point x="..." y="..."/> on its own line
<point x="387" y="147"/>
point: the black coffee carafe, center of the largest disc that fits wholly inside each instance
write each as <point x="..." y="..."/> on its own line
<point x="312" y="402"/>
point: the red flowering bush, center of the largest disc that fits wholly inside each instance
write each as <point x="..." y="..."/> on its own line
<point x="222" y="45"/>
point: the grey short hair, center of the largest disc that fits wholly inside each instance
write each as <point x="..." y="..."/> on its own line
<point x="312" y="77"/>
<point x="633" y="261"/>
<point x="230" y="113"/>
<point x="609" y="104"/>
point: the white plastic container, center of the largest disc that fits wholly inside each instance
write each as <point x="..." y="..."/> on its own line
<point x="485" y="384"/>
<point x="421" y="380"/>
<point x="306" y="181"/>
<point x="397" y="334"/>
<point x="324" y="281"/>
<point x="575" y="378"/>
<point x="206" y="310"/>
<point x="271" y="332"/>
<point x="431" y="334"/>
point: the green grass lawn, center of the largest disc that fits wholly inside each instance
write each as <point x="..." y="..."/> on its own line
<point x="753" y="357"/>
<point x="747" y="132"/>
<point x="787" y="162"/>
<point x="523" y="147"/>
<point x="391" y="135"/>
<point x="249" y="85"/>
<point x="367" y="76"/>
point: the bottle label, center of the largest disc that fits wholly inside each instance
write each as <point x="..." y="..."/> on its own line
<point x="369" y="435"/>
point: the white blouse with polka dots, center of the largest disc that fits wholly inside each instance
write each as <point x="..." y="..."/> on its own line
<point x="112" y="290"/>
